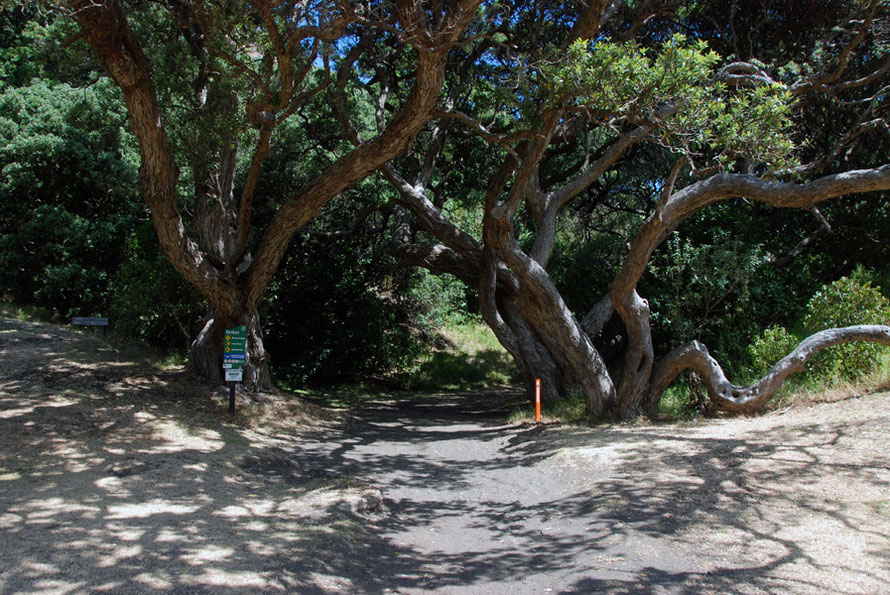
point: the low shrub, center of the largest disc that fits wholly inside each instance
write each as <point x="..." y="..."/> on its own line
<point x="846" y="302"/>
<point x="771" y="346"/>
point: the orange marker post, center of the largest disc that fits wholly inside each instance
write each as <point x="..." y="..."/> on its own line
<point x="537" y="400"/>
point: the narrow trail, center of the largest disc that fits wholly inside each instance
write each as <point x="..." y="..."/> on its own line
<point x="117" y="478"/>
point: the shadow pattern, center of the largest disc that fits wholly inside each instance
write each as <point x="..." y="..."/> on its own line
<point x="114" y="479"/>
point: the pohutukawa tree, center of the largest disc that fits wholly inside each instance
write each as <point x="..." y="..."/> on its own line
<point x="206" y="84"/>
<point x="567" y="102"/>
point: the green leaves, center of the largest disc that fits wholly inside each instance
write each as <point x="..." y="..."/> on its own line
<point x="846" y="302"/>
<point x="625" y="79"/>
<point x="771" y="346"/>
<point x="67" y="195"/>
<point x="676" y="87"/>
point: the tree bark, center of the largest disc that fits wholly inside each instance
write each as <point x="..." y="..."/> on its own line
<point x="534" y="358"/>
<point x="207" y="351"/>
<point x="218" y="264"/>
<point x="726" y="396"/>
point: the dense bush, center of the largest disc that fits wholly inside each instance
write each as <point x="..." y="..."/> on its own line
<point x="441" y="299"/>
<point x="846" y="302"/>
<point x="68" y="196"/>
<point x="703" y="291"/>
<point x="771" y="346"/>
<point x="334" y="313"/>
<point x="151" y="301"/>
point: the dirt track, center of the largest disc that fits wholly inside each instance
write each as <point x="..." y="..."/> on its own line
<point x="116" y="478"/>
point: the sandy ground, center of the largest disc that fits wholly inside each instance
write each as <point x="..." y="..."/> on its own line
<point x="114" y="477"/>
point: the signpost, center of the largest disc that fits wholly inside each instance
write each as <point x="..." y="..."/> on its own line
<point x="234" y="356"/>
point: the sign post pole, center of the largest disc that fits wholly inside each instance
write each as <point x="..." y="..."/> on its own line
<point x="234" y="356"/>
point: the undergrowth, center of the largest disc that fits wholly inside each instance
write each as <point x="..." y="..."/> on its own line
<point x="470" y="358"/>
<point x="27" y="313"/>
<point x="680" y="403"/>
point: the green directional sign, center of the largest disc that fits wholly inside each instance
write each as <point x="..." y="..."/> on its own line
<point x="235" y="347"/>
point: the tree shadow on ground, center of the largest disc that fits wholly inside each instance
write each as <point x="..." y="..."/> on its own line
<point x="117" y="482"/>
<point x="671" y="510"/>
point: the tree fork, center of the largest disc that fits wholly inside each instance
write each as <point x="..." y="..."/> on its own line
<point x="207" y="350"/>
<point x="228" y="277"/>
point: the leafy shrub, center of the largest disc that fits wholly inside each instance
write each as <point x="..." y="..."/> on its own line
<point x="440" y="299"/>
<point x="332" y="315"/>
<point x="67" y="196"/>
<point x="846" y="302"/>
<point x="771" y="346"/>
<point x="151" y="300"/>
<point x="703" y="291"/>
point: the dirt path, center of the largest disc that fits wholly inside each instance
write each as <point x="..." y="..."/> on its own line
<point x="117" y="479"/>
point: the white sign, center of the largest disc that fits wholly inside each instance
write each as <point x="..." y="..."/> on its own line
<point x="234" y="375"/>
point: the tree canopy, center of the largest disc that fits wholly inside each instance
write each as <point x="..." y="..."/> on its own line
<point x="633" y="94"/>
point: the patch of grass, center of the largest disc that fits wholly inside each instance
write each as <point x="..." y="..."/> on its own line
<point x="674" y="403"/>
<point x="472" y="359"/>
<point x="172" y="359"/>
<point x="569" y="411"/>
<point x="881" y="507"/>
<point x="810" y="391"/>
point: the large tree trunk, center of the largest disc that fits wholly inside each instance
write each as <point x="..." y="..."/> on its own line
<point x="207" y="351"/>
<point x="538" y="300"/>
<point x="212" y="254"/>
<point x="533" y="358"/>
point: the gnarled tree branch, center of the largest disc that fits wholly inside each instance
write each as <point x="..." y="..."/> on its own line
<point x="746" y="399"/>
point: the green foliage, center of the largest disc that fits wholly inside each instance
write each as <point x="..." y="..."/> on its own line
<point x="676" y="402"/>
<point x="440" y="299"/>
<point x="846" y="302"/>
<point x="471" y="358"/>
<point x="66" y="196"/>
<point x="772" y="345"/>
<point x="676" y="85"/>
<point x="60" y="260"/>
<point x="27" y="312"/>
<point x="32" y="46"/>
<point x="334" y="315"/>
<point x="583" y="269"/>
<point x="703" y="291"/>
<point x="151" y="300"/>
<point x="625" y="78"/>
